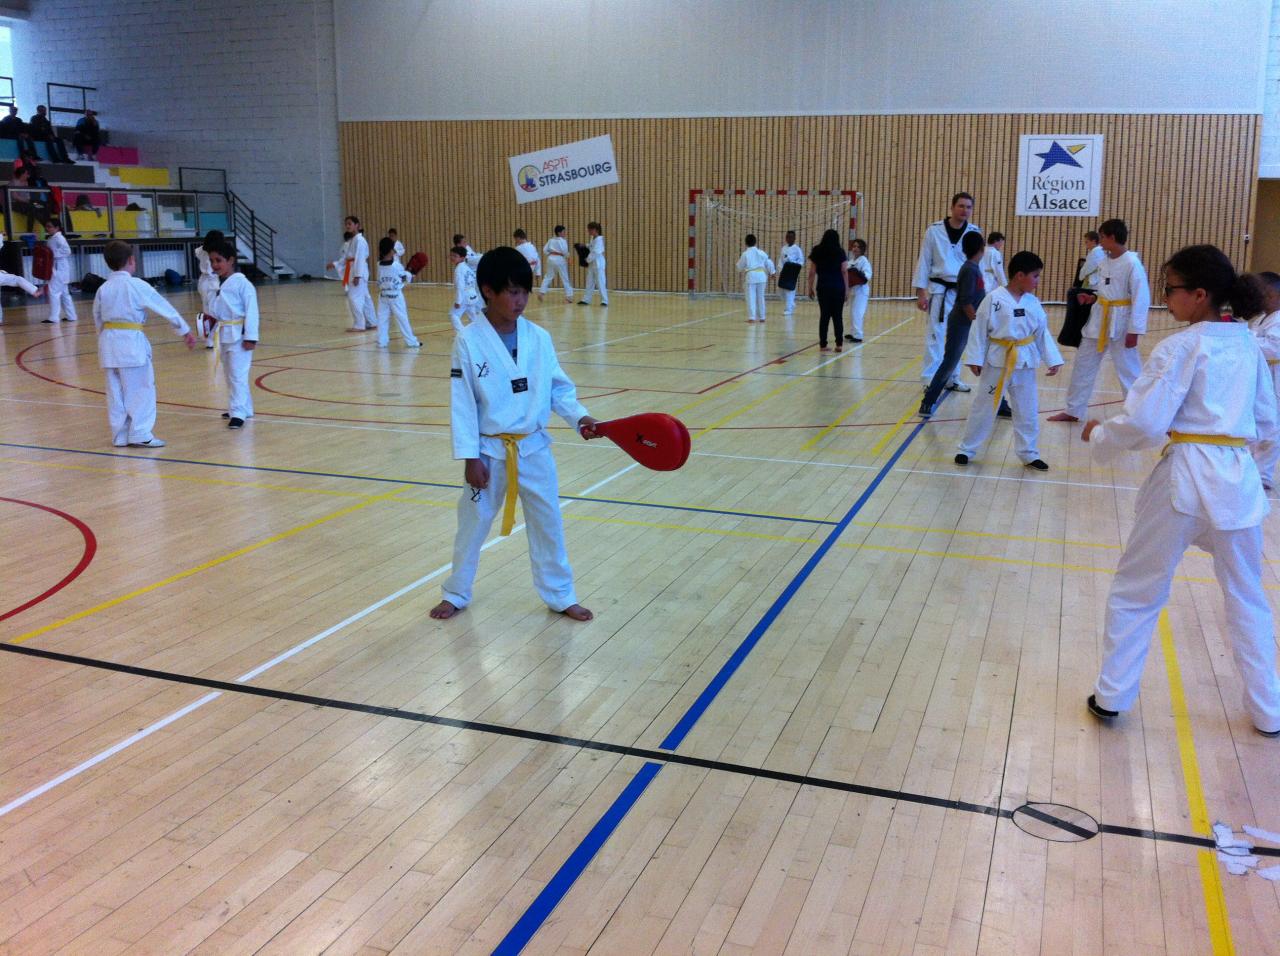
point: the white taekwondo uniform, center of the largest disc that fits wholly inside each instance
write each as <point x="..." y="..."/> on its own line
<point x="595" y="272"/>
<point x="466" y="297"/>
<point x="993" y="276"/>
<point x="557" y="251"/>
<point x="1010" y="339"/>
<point x="858" y="296"/>
<point x="207" y="286"/>
<point x="356" y="252"/>
<point x="119" y="312"/>
<point x="1124" y="299"/>
<point x="1266" y="452"/>
<point x="500" y="407"/>
<point x="937" y="266"/>
<point x="1201" y="388"/>
<point x="530" y="253"/>
<point x="59" y="292"/>
<point x="392" y="278"/>
<point x="756" y="267"/>
<point x="236" y="309"/>
<point x="791" y="253"/>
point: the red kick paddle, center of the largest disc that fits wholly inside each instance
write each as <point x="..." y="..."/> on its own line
<point x="657" y="441"/>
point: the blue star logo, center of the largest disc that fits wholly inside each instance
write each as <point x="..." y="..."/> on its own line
<point x="1055" y="155"/>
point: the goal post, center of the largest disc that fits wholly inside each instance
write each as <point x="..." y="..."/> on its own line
<point x="720" y="218"/>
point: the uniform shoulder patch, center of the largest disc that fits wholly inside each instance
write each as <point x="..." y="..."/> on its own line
<point x="455" y="373"/>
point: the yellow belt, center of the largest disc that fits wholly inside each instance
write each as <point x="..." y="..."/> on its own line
<point x="1104" y="335"/>
<point x="217" y="338"/>
<point x="1010" y="347"/>
<point x="511" y="442"/>
<point x="1190" y="438"/>
<point x="128" y="326"/>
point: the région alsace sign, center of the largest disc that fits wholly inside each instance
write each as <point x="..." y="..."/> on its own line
<point x="570" y="168"/>
<point x="1059" y="175"/>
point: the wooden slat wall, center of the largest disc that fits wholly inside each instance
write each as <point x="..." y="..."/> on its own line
<point x="1175" y="178"/>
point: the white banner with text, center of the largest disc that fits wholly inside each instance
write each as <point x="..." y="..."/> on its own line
<point x="1059" y="175"/>
<point x="565" y="169"/>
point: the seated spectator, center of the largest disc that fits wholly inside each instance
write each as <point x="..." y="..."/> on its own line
<point x="41" y="130"/>
<point x="88" y="135"/>
<point x="23" y="200"/>
<point x="11" y="127"/>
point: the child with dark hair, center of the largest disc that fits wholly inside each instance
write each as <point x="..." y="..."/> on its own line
<point x="556" y="249"/>
<point x="235" y="306"/>
<point x="207" y="284"/>
<point x="1266" y="328"/>
<point x="120" y="310"/>
<point x="791" y="259"/>
<point x="1117" y="319"/>
<point x="595" y="265"/>
<point x="470" y="255"/>
<point x="859" y="289"/>
<point x="397" y="247"/>
<point x="969" y="291"/>
<point x="1009" y="340"/>
<point x="756" y="268"/>
<point x="1204" y="394"/>
<point x="352" y="264"/>
<point x="392" y="278"/>
<point x="529" y="251"/>
<point x="993" y="276"/>
<point x="506" y="381"/>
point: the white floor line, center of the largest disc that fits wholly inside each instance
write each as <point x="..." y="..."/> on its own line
<point x="262" y="668"/>
<point x="638" y="335"/>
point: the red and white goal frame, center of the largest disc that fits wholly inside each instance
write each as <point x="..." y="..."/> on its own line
<point x="853" y="195"/>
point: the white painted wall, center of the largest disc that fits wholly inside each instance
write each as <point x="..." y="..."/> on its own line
<point x="451" y="59"/>
<point x="1269" y="154"/>
<point x="244" y="85"/>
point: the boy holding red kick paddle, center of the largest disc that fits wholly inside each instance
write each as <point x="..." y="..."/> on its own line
<point x="506" y="380"/>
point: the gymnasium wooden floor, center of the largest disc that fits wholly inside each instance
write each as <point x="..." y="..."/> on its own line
<point x="255" y="740"/>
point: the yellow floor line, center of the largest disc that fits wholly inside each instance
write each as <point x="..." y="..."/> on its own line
<point x="812" y="442"/>
<point x="755" y="403"/>
<point x="191" y="478"/>
<point x="1210" y="877"/>
<point x="888" y="436"/>
<point x="715" y="393"/>
<point x="181" y="575"/>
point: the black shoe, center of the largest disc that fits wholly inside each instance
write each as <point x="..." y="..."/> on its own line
<point x="226" y="414"/>
<point x="925" y="412"/>
<point x="1038" y="465"/>
<point x="1267" y="733"/>
<point x="236" y="423"/>
<point x="962" y="459"/>
<point x="852" y="339"/>
<point x="584" y="303"/>
<point x="47" y="321"/>
<point x="1004" y="412"/>
<point x="1100" y="712"/>
<point x="605" y="305"/>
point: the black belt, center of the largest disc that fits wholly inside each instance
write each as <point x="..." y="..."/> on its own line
<point x="947" y="286"/>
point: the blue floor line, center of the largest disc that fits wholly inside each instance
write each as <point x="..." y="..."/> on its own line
<point x="546" y="901"/>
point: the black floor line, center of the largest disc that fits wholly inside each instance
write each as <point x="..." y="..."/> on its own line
<point x="662" y="756"/>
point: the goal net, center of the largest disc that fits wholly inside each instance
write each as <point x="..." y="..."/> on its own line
<point x="719" y="219"/>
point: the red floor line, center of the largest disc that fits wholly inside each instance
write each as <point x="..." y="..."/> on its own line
<point x="779" y="360"/>
<point x="90" y="549"/>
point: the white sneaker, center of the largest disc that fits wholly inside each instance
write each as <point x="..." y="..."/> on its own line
<point x="153" y="443"/>
<point x="958" y="387"/>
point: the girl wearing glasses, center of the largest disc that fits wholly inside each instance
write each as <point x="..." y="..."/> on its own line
<point x="1205" y="394"/>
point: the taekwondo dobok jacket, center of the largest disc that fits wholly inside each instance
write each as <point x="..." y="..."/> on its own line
<point x="939" y="257"/>
<point x="755" y="265"/>
<point x="392" y="278"/>
<point x="124" y="298"/>
<point x="492" y="393"/>
<point x="1001" y="316"/>
<point x="1208" y="379"/>
<point x="236" y="309"/>
<point x="1120" y="279"/>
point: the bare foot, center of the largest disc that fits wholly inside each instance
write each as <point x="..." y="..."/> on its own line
<point x="1062" y="417"/>
<point x="575" y="611"/>
<point x="446" y="609"/>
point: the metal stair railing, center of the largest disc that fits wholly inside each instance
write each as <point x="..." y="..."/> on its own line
<point x="257" y="235"/>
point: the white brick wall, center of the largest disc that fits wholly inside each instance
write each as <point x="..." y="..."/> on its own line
<point x="244" y="85"/>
